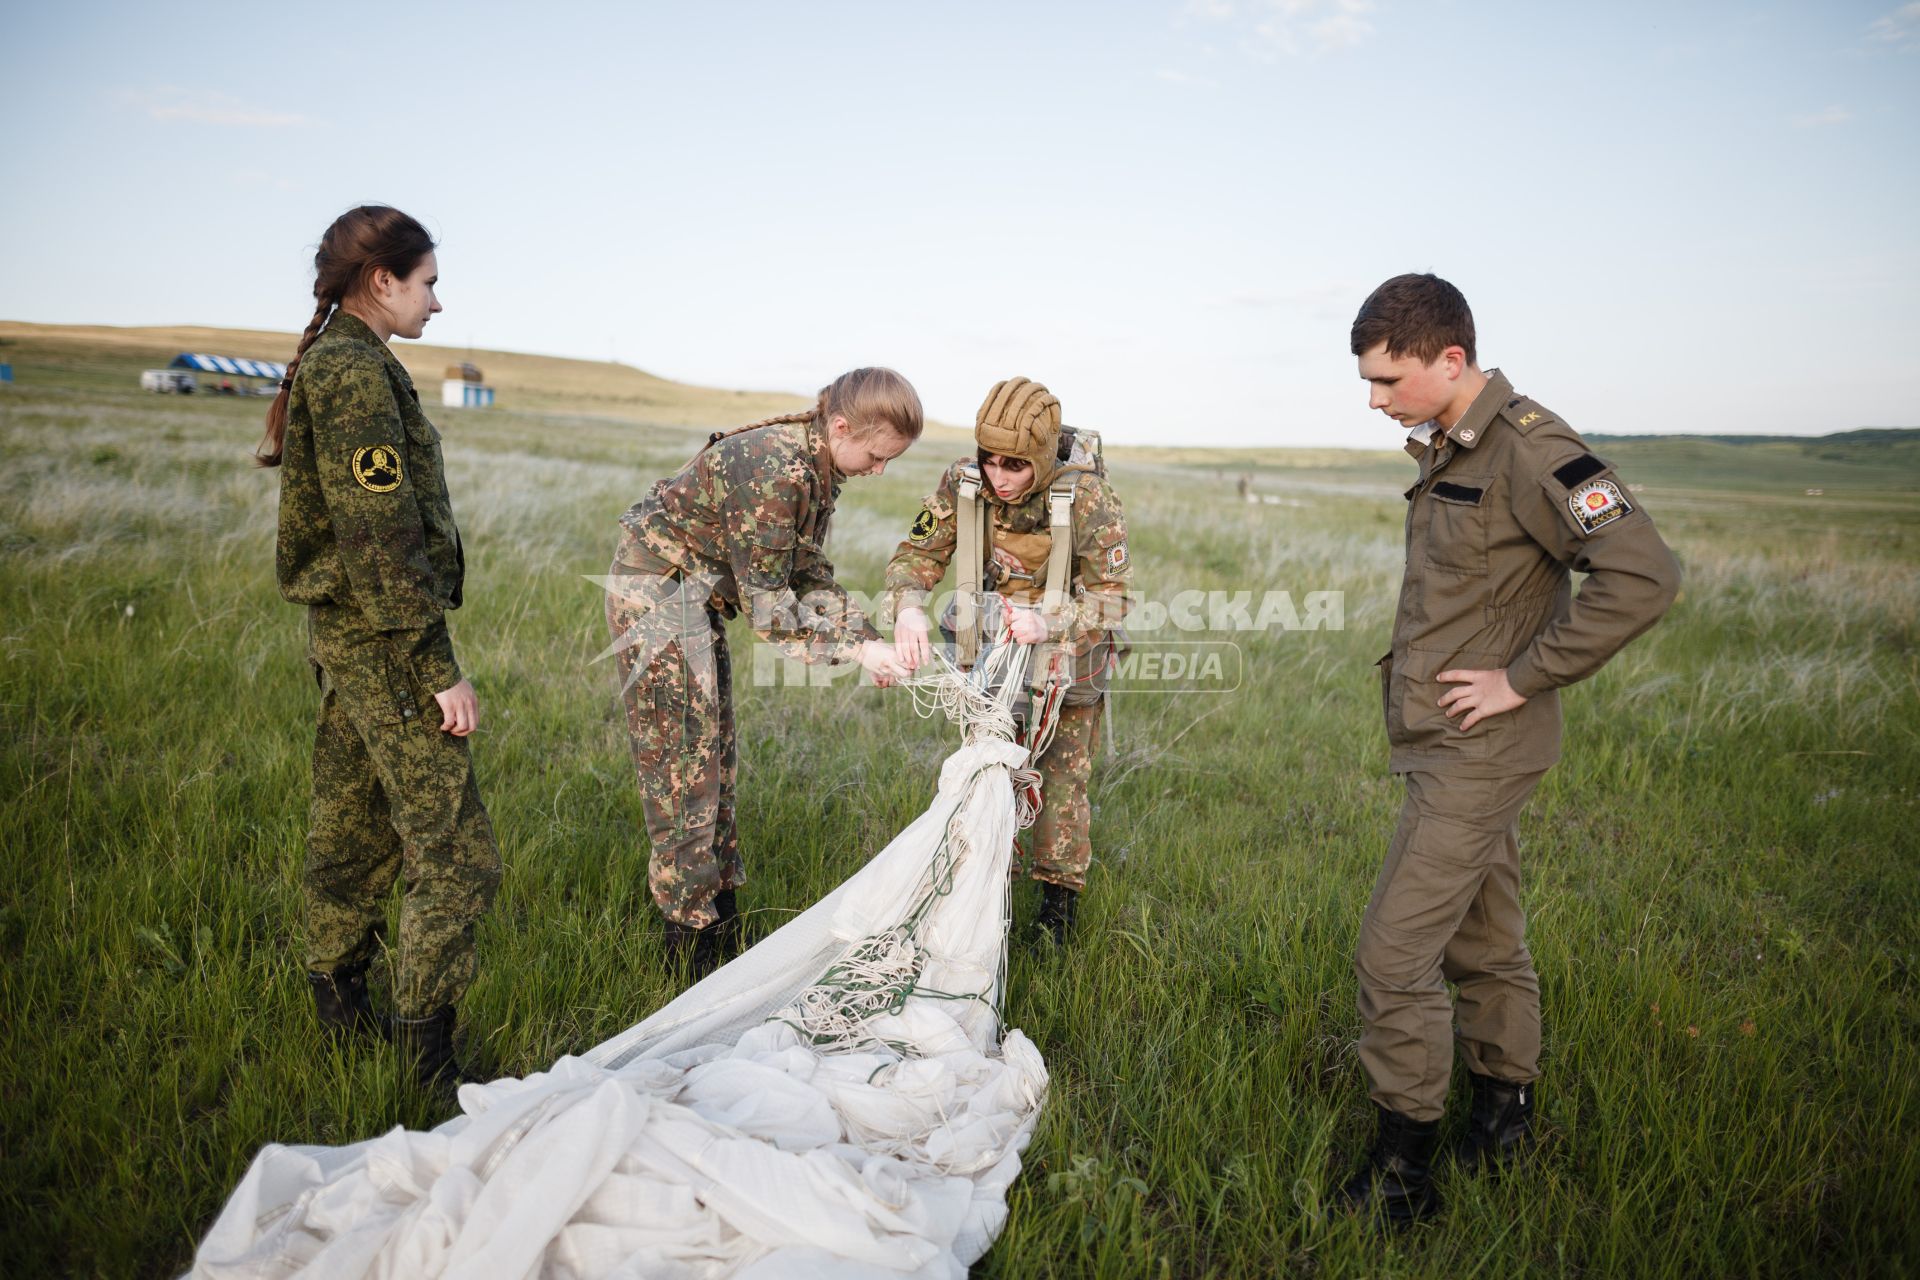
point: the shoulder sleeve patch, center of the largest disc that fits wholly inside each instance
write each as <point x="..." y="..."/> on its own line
<point x="377" y="468"/>
<point x="1598" y="503"/>
<point x="1584" y="467"/>
<point x="923" y="525"/>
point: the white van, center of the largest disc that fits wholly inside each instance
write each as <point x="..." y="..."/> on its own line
<point x="168" y="380"/>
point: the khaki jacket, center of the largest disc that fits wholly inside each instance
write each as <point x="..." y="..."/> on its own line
<point x="365" y="520"/>
<point x="1509" y="503"/>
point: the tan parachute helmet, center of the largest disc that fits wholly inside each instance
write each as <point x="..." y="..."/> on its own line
<point x="1021" y="419"/>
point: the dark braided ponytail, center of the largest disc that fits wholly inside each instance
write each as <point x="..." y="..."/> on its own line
<point x="360" y="242"/>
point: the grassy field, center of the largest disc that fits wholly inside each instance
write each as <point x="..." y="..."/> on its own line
<point x="1723" y="877"/>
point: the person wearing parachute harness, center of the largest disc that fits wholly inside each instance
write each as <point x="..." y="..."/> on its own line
<point x="1033" y="520"/>
<point x="740" y="528"/>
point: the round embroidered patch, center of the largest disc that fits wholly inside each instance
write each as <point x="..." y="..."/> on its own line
<point x="377" y="467"/>
<point x="923" y="526"/>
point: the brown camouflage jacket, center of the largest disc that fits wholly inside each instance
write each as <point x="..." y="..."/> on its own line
<point x="748" y="518"/>
<point x="365" y="520"/>
<point x="1019" y="540"/>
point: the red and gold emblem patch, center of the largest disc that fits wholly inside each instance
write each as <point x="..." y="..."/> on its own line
<point x="1598" y="503"/>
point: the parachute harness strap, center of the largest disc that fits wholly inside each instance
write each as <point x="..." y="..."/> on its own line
<point x="970" y="552"/>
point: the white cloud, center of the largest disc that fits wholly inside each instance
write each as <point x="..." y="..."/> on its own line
<point x="172" y="105"/>
<point x="1820" y="119"/>
<point x="1277" y="28"/>
<point x="1901" y="28"/>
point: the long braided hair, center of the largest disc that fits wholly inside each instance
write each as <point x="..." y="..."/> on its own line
<point x="360" y="242"/>
<point x="871" y="399"/>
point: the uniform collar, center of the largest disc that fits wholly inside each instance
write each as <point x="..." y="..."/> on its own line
<point x="351" y="327"/>
<point x="822" y="450"/>
<point x="1473" y="424"/>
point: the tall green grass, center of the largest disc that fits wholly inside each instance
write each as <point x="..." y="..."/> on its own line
<point x="1722" y="875"/>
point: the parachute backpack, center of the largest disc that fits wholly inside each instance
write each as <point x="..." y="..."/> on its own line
<point x="1079" y="454"/>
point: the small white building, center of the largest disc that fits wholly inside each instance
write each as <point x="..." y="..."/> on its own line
<point x="463" y="388"/>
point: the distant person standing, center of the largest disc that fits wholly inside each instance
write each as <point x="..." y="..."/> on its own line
<point x="741" y="528"/>
<point x="1509" y="502"/>
<point x="367" y="542"/>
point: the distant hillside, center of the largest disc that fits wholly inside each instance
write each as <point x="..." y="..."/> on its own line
<point x="1874" y="458"/>
<point x="101" y="357"/>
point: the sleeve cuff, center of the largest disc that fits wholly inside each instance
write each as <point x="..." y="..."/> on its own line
<point x="430" y="649"/>
<point x="1526" y="678"/>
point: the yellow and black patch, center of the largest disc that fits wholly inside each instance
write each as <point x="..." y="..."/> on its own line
<point x="923" y="526"/>
<point x="377" y="467"/>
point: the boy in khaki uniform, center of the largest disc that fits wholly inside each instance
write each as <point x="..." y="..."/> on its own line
<point x="1508" y="502"/>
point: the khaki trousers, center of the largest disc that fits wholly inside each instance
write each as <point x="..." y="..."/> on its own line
<point x="1446" y="908"/>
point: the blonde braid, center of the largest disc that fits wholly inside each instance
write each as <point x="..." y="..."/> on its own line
<point x="271" y="446"/>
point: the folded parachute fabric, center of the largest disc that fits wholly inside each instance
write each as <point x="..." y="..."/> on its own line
<point x="840" y="1101"/>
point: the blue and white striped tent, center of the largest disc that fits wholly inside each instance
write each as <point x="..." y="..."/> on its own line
<point x="230" y="364"/>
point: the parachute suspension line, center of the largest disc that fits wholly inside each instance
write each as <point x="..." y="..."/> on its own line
<point x="878" y="974"/>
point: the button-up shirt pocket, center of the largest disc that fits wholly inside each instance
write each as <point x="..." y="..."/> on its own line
<point x="1456" y="537"/>
<point x="770" y="562"/>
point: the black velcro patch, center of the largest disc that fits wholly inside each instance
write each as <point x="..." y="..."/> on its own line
<point x="1584" y="467"/>
<point x="1457" y="492"/>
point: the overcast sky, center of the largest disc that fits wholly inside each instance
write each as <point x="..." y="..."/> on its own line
<point x="1668" y="217"/>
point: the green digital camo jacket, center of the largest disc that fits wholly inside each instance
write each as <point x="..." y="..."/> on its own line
<point x="747" y="519"/>
<point x="1509" y="504"/>
<point x="1019" y="539"/>
<point x="365" y="520"/>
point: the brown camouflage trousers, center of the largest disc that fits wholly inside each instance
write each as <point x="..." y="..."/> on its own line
<point x="394" y="798"/>
<point x="1061" y="848"/>
<point x="676" y="680"/>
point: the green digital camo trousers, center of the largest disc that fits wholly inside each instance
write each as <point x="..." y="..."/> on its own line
<point x="393" y="797"/>
<point x="1061" y="848"/>
<point x="676" y="679"/>
<point x="1446" y="908"/>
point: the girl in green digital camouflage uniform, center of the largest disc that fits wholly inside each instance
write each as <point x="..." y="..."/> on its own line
<point x="367" y="542"/>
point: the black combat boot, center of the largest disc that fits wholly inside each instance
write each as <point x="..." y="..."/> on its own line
<point x="1500" y="1126"/>
<point x="1057" y="906"/>
<point x="428" y="1043"/>
<point x="1397" y="1180"/>
<point x="340" y="998"/>
<point x="691" y="950"/>
<point x="727" y="928"/>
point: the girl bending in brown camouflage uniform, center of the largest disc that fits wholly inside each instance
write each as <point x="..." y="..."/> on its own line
<point x="367" y="542"/>
<point x="739" y="529"/>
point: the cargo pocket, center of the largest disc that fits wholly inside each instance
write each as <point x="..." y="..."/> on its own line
<point x="769" y="560"/>
<point x="375" y="684"/>
<point x="1425" y="724"/>
<point x="1457" y="524"/>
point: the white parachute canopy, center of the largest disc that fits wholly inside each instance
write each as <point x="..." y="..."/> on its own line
<point x="841" y="1101"/>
